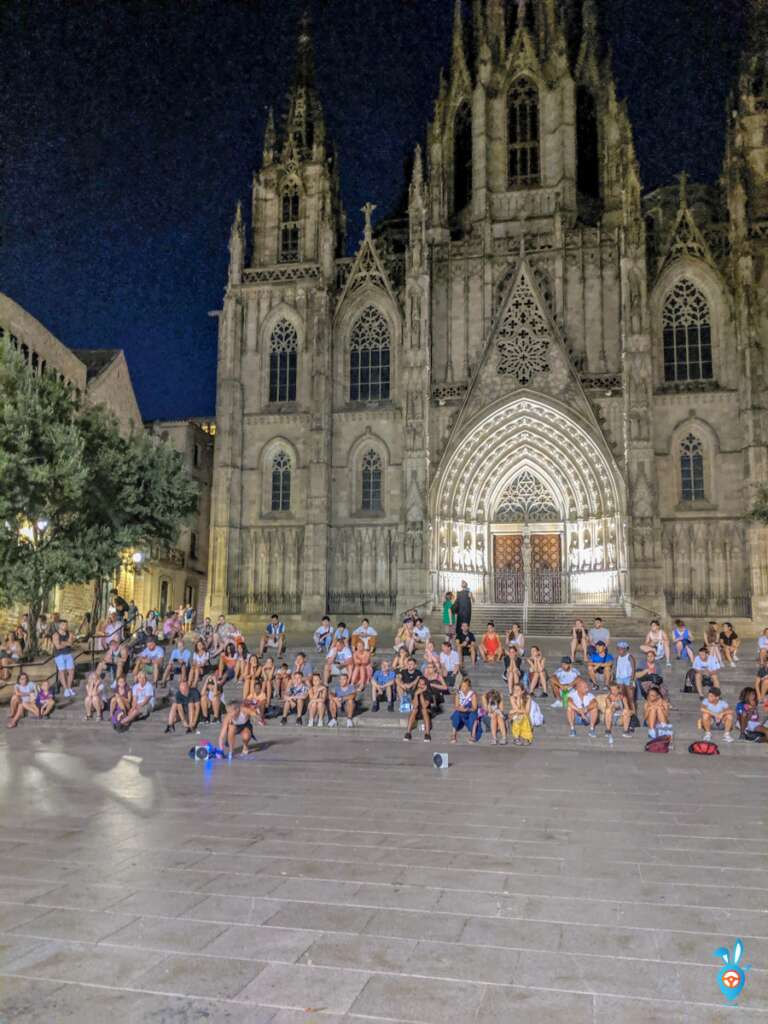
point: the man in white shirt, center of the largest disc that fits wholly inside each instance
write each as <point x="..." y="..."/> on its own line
<point x="705" y="665"/>
<point x="323" y="636"/>
<point x="178" y="662"/>
<point x="582" y="708"/>
<point x="150" y="660"/>
<point x="365" y="636"/>
<point x="716" y="713"/>
<point x="421" y="633"/>
<point x="449" y="663"/>
<point x="562" y="680"/>
<point x="339" y="660"/>
<point x="143" y="701"/>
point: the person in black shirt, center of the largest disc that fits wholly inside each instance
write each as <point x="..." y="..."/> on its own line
<point x="467" y="643"/>
<point x="462" y="606"/>
<point x="406" y="679"/>
<point x="424" y="701"/>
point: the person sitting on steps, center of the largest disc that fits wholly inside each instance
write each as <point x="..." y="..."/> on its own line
<point x="382" y="685"/>
<point x="490" y="645"/>
<point x="562" y="679"/>
<point x="582" y="708"/>
<point x="465" y="710"/>
<point x="495" y="720"/>
<point x="716" y="713"/>
<point x="655" y="712"/>
<point x="421" y="703"/>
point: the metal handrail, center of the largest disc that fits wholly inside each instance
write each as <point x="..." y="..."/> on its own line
<point x="90" y="650"/>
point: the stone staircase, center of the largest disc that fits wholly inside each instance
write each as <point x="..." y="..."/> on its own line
<point x="557" y="620"/>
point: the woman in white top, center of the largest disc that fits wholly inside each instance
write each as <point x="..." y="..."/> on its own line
<point x="657" y="642"/>
<point x="516" y="641"/>
<point x="22" y="700"/>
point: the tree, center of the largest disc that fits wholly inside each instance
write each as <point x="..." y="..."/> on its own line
<point x="74" y="491"/>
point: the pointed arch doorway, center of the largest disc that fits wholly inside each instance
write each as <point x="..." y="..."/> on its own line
<point x="527" y="532"/>
<point x="529" y="508"/>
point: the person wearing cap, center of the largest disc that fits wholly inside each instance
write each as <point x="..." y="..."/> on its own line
<point x="562" y="679"/>
<point x="625" y="669"/>
<point x="600" y="664"/>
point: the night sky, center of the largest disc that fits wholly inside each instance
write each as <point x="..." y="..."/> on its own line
<point x="129" y="130"/>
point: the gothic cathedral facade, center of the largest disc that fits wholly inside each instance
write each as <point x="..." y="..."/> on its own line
<point x="533" y="376"/>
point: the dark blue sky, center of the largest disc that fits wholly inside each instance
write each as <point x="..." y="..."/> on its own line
<point x="130" y="129"/>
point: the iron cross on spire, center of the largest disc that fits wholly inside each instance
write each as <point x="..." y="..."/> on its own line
<point x="367" y="211"/>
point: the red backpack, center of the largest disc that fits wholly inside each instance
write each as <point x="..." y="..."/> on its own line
<point x="703" y="747"/>
<point x="659" y="746"/>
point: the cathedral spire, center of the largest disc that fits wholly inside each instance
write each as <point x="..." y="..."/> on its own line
<point x="304" y="123"/>
<point x="496" y="25"/>
<point x="270" y="138"/>
<point x="417" y="175"/>
<point x="589" y="19"/>
<point x="304" y="75"/>
<point x="459" y="60"/>
<point x="237" y="246"/>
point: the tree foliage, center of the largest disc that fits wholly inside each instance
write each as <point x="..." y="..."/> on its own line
<point x="74" y="492"/>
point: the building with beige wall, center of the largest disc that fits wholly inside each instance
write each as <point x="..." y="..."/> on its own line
<point x="163" y="579"/>
<point x="533" y="376"/>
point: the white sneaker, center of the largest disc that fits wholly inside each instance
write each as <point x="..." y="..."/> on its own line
<point x="332" y="724"/>
<point x="320" y="723"/>
<point x="727" y="737"/>
<point x="311" y="723"/>
<point x="735" y="657"/>
<point x="707" y="735"/>
<point x="610" y="739"/>
<point x="556" y="704"/>
<point x="350" y="724"/>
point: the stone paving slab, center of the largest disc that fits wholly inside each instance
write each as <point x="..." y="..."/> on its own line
<point x="337" y="877"/>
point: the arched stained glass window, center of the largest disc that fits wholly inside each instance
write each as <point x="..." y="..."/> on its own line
<point x="369" y="353"/>
<point x="691" y="469"/>
<point x="462" y="157"/>
<point x="281" y="482"/>
<point x="523" y="134"/>
<point x="283" y="356"/>
<point x="687" y="334"/>
<point x="371" y="483"/>
<point x="290" y="211"/>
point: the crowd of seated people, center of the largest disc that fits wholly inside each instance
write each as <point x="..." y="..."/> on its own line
<point x="211" y="676"/>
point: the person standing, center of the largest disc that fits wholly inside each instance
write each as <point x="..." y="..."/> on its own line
<point x="462" y="606"/>
<point x="65" y="663"/>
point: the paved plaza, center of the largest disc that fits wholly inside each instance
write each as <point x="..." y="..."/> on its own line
<point x="337" y="876"/>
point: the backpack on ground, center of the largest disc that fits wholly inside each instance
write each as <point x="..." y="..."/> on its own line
<point x="660" y="745"/>
<point x="703" y="747"/>
<point x="689" y="685"/>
